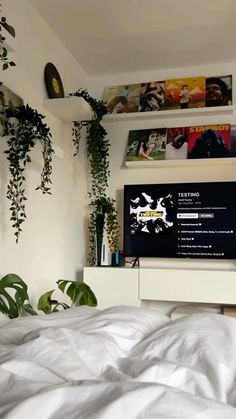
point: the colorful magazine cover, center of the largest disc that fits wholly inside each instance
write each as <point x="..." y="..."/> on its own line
<point x="152" y="96"/>
<point x="185" y="93"/>
<point x="124" y="98"/>
<point x="209" y="141"/>
<point x="177" y="143"/>
<point x="148" y="144"/>
<point x="219" y="91"/>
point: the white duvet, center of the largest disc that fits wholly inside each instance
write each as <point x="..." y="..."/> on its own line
<point x="119" y="363"/>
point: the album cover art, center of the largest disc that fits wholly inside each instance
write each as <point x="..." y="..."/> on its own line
<point x="121" y="99"/>
<point x="177" y="143"/>
<point x="218" y="91"/>
<point x="151" y="214"/>
<point x="209" y="141"/>
<point x="148" y="144"/>
<point x="185" y="93"/>
<point x="152" y="96"/>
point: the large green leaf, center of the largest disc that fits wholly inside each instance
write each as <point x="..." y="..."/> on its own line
<point x="47" y="305"/>
<point x="13" y="294"/>
<point x="79" y="292"/>
<point x="45" y="302"/>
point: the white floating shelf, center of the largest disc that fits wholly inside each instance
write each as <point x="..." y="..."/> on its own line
<point x="68" y="109"/>
<point x="10" y="41"/>
<point x="168" y="113"/>
<point x="160" y="164"/>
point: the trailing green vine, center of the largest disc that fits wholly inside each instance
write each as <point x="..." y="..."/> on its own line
<point x="3" y="50"/>
<point x="24" y="128"/>
<point x="98" y="155"/>
<point x="97" y="143"/>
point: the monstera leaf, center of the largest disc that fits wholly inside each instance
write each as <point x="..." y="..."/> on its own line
<point x="14" y="298"/>
<point x="79" y="292"/>
<point x="48" y="305"/>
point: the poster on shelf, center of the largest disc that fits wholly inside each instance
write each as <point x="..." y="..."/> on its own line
<point x="152" y="96"/>
<point x="177" y="143"/>
<point x="122" y="99"/>
<point x="146" y="145"/>
<point x="218" y="91"/>
<point x="185" y="93"/>
<point x="209" y="141"/>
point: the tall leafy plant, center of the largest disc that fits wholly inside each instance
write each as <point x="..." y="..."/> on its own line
<point x="24" y="128"/>
<point x="14" y="299"/>
<point x="98" y="155"/>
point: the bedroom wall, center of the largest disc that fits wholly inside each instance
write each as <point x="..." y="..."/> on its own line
<point x="51" y="245"/>
<point x="118" y="134"/>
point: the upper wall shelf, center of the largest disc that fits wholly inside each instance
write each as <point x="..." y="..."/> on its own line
<point x="68" y="109"/>
<point x="169" y="113"/>
<point x="180" y="163"/>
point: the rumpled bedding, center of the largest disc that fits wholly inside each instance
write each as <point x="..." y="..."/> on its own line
<point x="122" y="362"/>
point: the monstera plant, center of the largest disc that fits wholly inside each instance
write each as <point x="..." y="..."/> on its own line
<point x="14" y="299"/>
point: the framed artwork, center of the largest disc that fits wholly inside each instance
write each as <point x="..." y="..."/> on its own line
<point x="177" y="143"/>
<point x="209" y="141"/>
<point x="152" y="96"/>
<point x="121" y="99"/>
<point x="147" y="145"/>
<point x="219" y="91"/>
<point x="185" y="93"/>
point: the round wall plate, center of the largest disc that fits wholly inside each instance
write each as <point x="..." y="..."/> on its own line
<point x="53" y="82"/>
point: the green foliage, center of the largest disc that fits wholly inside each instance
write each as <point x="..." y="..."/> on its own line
<point x="98" y="156"/>
<point x="97" y="143"/>
<point x="103" y="206"/>
<point x="25" y="127"/>
<point x="3" y="51"/>
<point x="48" y="305"/>
<point x="14" y="300"/>
<point x="79" y="293"/>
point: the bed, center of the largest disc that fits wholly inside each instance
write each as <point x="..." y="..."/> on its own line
<point x="121" y="362"/>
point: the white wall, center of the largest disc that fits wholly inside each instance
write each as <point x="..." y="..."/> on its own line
<point x="118" y="134"/>
<point x="51" y="245"/>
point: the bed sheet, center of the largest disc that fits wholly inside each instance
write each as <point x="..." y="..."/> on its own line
<point x="120" y="362"/>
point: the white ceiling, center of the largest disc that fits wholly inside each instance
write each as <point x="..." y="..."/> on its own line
<point x="117" y="36"/>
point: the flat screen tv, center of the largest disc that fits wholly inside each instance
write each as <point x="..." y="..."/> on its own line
<point x="180" y="220"/>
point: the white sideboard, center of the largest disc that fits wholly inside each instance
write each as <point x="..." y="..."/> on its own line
<point x="113" y="286"/>
<point x="134" y="286"/>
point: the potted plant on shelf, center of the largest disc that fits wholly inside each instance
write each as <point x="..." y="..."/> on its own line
<point x="104" y="216"/>
<point x="24" y="127"/>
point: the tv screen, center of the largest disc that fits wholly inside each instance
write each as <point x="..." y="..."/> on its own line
<point x="184" y="220"/>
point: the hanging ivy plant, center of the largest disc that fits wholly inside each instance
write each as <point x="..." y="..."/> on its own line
<point x="97" y="143"/>
<point x="24" y="127"/>
<point x="3" y="50"/>
<point x="98" y="155"/>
